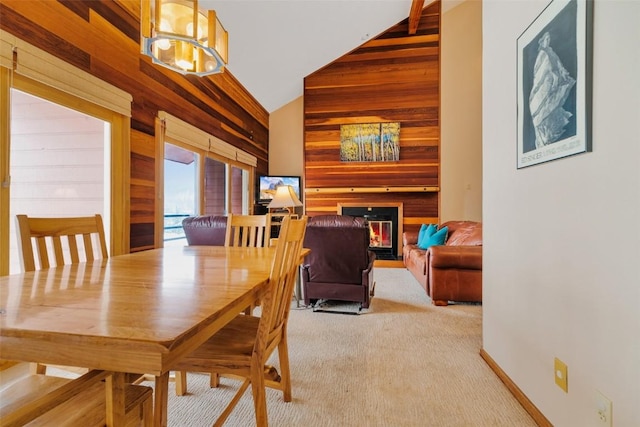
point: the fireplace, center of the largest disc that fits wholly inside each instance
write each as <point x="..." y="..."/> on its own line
<point x="385" y="226"/>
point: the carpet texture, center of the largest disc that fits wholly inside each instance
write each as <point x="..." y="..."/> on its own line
<point x="403" y="362"/>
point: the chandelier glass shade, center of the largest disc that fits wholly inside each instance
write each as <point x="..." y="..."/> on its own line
<point x="179" y="36"/>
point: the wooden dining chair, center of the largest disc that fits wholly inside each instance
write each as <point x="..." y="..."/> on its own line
<point x="242" y="231"/>
<point x="248" y="230"/>
<point x="58" y="237"/>
<point x="242" y="348"/>
<point x="41" y="400"/>
<point x="56" y="243"/>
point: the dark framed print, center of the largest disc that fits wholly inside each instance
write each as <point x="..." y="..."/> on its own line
<point x="554" y="83"/>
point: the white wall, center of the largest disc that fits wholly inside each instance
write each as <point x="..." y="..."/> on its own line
<point x="562" y="239"/>
<point x="461" y="113"/>
<point x="286" y="139"/>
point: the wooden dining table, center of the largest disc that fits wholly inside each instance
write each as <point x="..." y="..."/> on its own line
<point x="136" y="313"/>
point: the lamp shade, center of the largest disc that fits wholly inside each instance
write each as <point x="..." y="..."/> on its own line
<point x="285" y="198"/>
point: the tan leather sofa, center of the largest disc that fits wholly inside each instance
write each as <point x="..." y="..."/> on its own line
<point x="453" y="271"/>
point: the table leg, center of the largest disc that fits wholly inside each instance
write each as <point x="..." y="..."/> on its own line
<point x="160" y="400"/>
<point x="115" y="403"/>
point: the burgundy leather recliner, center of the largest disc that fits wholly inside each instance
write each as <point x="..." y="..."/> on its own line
<point x="208" y="230"/>
<point x="340" y="265"/>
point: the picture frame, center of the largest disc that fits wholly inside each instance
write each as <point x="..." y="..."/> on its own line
<point x="370" y="142"/>
<point x="554" y="79"/>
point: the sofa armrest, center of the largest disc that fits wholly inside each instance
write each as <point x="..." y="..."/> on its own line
<point x="467" y="257"/>
<point x="409" y="238"/>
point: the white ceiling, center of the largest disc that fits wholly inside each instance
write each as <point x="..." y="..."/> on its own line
<point x="274" y="44"/>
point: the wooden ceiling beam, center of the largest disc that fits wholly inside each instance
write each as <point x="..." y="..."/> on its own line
<point x="414" y="15"/>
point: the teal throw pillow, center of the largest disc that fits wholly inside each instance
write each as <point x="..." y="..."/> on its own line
<point x="437" y="238"/>
<point x="426" y="231"/>
<point x="423" y="228"/>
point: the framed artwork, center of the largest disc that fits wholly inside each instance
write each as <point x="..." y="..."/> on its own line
<point x="554" y="83"/>
<point x="370" y="142"/>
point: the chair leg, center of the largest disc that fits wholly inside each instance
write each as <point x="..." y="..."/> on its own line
<point x="214" y="380"/>
<point x="147" y="413"/>
<point x="285" y="375"/>
<point x="181" y="383"/>
<point x="259" y="394"/>
<point x="236" y="398"/>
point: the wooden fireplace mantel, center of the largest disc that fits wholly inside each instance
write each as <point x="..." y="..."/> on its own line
<point x="403" y="189"/>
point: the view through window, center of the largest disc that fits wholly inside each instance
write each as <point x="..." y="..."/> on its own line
<point x="180" y="190"/>
<point x="57" y="164"/>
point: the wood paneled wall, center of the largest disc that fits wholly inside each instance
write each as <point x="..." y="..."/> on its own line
<point x="102" y="37"/>
<point x="392" y="78"/>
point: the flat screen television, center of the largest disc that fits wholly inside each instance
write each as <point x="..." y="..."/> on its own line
<point x="267" y="185"/>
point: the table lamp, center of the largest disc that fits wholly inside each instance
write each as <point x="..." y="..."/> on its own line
<point x="285" y="198"/>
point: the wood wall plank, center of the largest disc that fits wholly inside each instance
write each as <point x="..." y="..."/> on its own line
<point x="102" y="38"/>
<point x="394" y="77"/>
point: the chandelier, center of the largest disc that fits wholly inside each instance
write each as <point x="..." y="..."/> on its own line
<point x="179" y="36"/>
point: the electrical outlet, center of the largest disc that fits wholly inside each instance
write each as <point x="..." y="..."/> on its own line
<point x="604" y="410"/>
<point x="560" y="369"/>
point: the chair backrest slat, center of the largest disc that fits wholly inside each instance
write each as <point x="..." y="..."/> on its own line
<point x="73" y="249"/>
<point x="88" y="246"/>
<point x="57" y="249"/>
<point x="55" y="229"/>
<point x="248" y="230"/>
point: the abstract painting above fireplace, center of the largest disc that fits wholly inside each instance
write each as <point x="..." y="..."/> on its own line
<point x="370" y="142"/>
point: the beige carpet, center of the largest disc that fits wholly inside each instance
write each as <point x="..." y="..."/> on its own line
<point x="403" y="362"/>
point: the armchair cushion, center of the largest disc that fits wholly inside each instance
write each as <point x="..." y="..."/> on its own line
<point x="464" y="233"/>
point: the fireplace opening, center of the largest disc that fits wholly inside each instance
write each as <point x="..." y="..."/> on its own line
<point x="381" y="232"/>
<point x="383" y="229"/>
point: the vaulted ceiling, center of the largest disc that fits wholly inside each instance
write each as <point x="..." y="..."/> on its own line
<point x="274" y="44"/>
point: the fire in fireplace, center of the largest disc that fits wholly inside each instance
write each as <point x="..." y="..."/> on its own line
<point x="383" y="225"/>
<point x="381" y="233"/>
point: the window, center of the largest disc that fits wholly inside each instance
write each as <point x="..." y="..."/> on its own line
<point x="180" y="190"/>
<point x="57" y="164"/>
<point x="202" y="176"/>
<point x="27" y="69"/>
